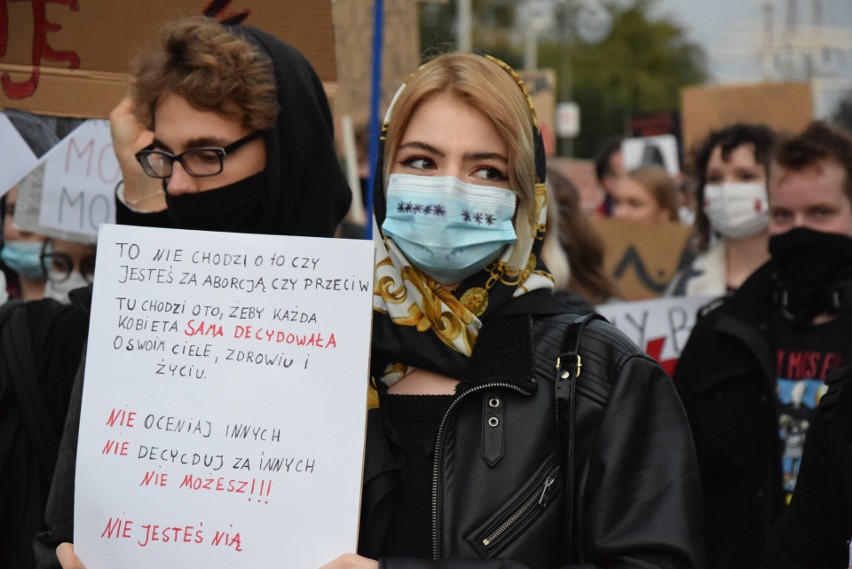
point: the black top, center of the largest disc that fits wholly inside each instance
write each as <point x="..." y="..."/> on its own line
<point x="415" y="419"/>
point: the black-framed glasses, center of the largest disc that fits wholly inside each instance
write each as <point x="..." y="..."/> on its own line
<point x="59" y="266"/>
<point x="198" y="162"/>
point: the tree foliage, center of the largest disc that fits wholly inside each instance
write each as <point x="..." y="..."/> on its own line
<point x="640" y="67"/>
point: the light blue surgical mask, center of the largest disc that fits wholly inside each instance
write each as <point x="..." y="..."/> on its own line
<point x="23" y="257"/>
<point x="447" y="228"/>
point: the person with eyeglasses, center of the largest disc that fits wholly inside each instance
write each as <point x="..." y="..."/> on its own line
<point x="226" y="128"/>
<point x="239" y="142"/>
<point x="67" y="265"/>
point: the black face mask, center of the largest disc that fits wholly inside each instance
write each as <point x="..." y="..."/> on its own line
<point x="237" y="207"/>
<point x="814" y="272"/>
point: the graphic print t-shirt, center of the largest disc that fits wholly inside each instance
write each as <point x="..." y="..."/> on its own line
<point x="804" y="358"/>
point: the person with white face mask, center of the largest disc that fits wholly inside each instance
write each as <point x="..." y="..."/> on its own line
<point x="760" y="362"/>
<point x="68" y="266"/>
<point x="732" y="218"/>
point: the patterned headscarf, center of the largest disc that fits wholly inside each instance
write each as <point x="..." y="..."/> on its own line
<point x="420" y="323"/>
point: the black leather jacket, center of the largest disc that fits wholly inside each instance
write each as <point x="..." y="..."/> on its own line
<point x="499" y="490"/>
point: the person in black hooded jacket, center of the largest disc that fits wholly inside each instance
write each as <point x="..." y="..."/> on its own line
<point x="480" y="454"/>
<point x="226" y="129"/>
<point x="754" y="366"/>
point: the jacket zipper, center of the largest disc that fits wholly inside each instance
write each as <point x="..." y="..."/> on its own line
<point x="538" y="498"/>
<point x="439" y="444"/>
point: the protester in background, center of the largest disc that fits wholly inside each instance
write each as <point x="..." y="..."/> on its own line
<point x="481" y="338"/>
<point x="40" y="343"/>
<point x="687" y="200"/>
<point x="272" y="169"/>
<point x="609" y="167"/>
<point x="552" y="253"/>
<point x="37" y="340"/>
<point x="555" y="257"/>
<point x="732" y="167"/>
<point x="581" y="241"/>
<point x="754" y="365"/>
<point x="20" y="253"/>
<point x="645" y="195"/>
<point x="19" y="260"/>
<point x="68" y="265"/>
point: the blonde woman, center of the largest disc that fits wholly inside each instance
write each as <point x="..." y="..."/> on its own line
<point x="467" y="464"/>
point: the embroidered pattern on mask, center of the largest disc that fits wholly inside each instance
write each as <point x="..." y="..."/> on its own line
<point x="438" y="210"/>
<point x="416" y="208"/>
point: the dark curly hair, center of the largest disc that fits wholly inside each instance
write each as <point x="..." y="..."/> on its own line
<point x="212" y="68"/>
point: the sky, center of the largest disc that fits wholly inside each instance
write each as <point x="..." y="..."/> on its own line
<point x="732" y="31"/>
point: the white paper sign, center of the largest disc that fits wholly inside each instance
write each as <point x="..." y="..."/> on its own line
<point x="567" y="119"/>
<point x="660" y="150"/>
<point x="16" y="159"/>
<point x="79" y="181"/>
<point x="660" y="326"/>
<point x="224" y="404"/>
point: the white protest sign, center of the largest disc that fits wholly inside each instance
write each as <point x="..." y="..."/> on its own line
<point x="567" y="119"/>
<point x="16" y="159"/>
<point x="225" y="400"/>
<point x="80" y="175"/>
<point x="660" y="150"/>
<point x="660" y="326"/>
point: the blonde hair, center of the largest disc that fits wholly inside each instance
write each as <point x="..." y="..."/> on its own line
<point x="659" y="185"/>
<point x="488" y="87"/>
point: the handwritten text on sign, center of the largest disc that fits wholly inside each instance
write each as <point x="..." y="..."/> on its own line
<point x="79" y="180"/>
<point x="225" y="399"/>
<point x="660" y="326"/>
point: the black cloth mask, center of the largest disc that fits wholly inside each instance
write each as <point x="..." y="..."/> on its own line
<point x="813" y="272"/>
<point x="305" y="192"/>
<point x="237" y="207"/>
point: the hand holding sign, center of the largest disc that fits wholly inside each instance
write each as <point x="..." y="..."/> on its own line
<point x="351" y="561"/>
<point x="224" y="401"/>
<point x="67" y="558"/>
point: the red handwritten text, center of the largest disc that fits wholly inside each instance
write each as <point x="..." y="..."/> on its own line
<point x="122" y="417"/>
<point x="41" y="49"/>
<point x="115" y="447"/>
<point x="182" y="534"/>
<point x="259" y="489"/>
<point x="117" y="528"/>
<point x="314" y="339"/>
<point x="155" y="478"/>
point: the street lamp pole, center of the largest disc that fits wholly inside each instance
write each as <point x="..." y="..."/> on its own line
<point x="464" y="19"/>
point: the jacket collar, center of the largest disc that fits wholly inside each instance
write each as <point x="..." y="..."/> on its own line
<point x="504" y="353"/>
